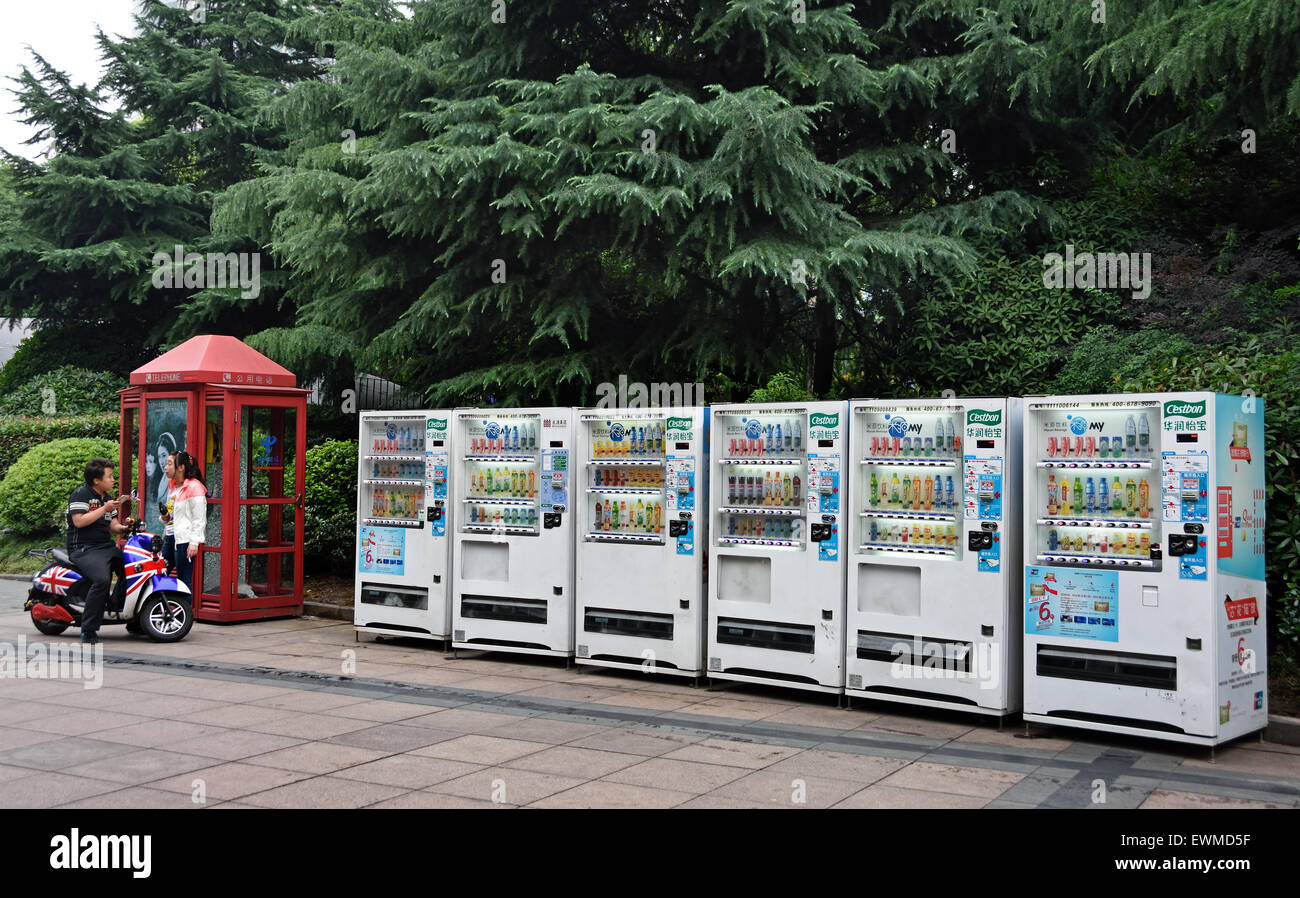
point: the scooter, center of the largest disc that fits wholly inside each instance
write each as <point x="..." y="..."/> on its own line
<point x="143" y="597"/>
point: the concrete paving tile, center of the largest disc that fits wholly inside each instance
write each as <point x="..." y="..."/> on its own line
<point x="1170" y="798"/>
<point x="857" y="768"/>
<point x="60" y="754"/>
<point x="324" y="792"/>
<point x="228" y="781"/>
<point x="16" y="712"/>
<point x="916" y="726"/>
<point x="1038" y="786"/>
<point x="649" y="743"/>
<point x="784" y="790"/>
<point x="135" y="797"/>
<point x="506" y="685"/>
<point x="973" y="781"/>
<point x="481" y="749"/>
<point x="602" y="794"/>
<point x="463" y="720"/>
<point x="565" y="760"/>
<point x="882" y="796"/>
<point x="1001" y="804"/>
<point x="649" y="701"/>
<point x="89" y="699"/>
<point x="233" y="745"/>
<point x="310" y="726"/>
<point x="508" y="786"/>
<point x="234" y="715"/>
<point x="380" y="711"/>
<point x="540" y="729"/>
<point x="13" y="737"/>
<point x="393" y="737"/>
<point x="1014" y="738"/>
<point x="1246" y="761"/>
<point x="40" y="690"/>
<point x="163" y="705"/>
<point x="47" y="790"/>
<point x="307" y="701"/>
<point x="437" y="800"/>
<point x="569" y="692"/>
<point x="439" y="676"/>
<point x="156" y="733"/>
<point x="141" y="766"/>
<point x="714" y="801"/>
<point x="81" y="722"/>
<point x="13" y="773"/>
<point x="829" y="718"/>
<point x="409" y="771"/>
<point x="677" y="776"/>
<point x="737" y="709"/>
<point x="318" y="757"/>
<point x="751" y="755"/>
<point x="229" y="691"/>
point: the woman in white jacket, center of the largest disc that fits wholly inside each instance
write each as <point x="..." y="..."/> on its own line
<point x="191" y="517"/>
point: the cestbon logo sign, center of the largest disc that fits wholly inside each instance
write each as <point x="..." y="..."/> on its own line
<point x="437" y="424"/>
<point x="828" y="421"/>
<point x="1178" y="408"/>
<point x="984" y="417"/>
<point x="679" y="428"/>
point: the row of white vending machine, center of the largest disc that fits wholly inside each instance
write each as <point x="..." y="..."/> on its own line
<point x="1091" y="561"/>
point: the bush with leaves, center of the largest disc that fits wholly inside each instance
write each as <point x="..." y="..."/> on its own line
<point x="34" y="493"/>
<point x="18" y="434"/>
<point x="65" y="391"/>
<point x="329" y="516"/>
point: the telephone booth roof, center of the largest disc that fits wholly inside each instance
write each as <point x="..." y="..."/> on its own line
<point x="213" y="359"/>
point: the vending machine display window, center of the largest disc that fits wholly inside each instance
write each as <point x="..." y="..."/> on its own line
<point x="392" y="470"/>
<point x="765" y="487"/>
<point x="625" y="487"/>
<point x="502" y="476"/>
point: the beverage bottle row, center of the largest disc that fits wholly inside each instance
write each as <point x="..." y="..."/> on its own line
<point x="939" y="536"/>
<point x="510" y="438"/>
<point x="916" y="492"/>
<point x="1098" y="497"/>
<point x="637" y="442"/>
<point x="398" y="470"/>
<point x="500" y="516"/>
<point x="403" y="504"/>
<point x="647" y="478"/>
<point x="405" y="439"/>
<point x="1135" y="443"/>
<point x="621" y="516"/>
<point x="1103" y="544"/>
<point x="770" y="488"/>
<point x="773" y="439"/>
<point x="945" y="442"/>
<point x="518" y="483"/>
<point x="758" y="528"/>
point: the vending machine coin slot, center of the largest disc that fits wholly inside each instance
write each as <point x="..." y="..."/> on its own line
<point x="977" y="540"/>
<point x="550" y="520"/>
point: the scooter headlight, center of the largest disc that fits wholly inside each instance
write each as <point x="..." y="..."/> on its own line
<point x="156" y="544"/>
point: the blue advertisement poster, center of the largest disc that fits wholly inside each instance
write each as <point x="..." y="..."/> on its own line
<point x="1239" y="485"/>
<point x="382" y="550"/>
<point x="1079" y="604"/>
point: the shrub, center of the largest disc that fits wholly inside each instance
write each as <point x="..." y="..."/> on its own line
<point x="329" y="514"/>
<point x="1104" y="359"/>
<point x="782" y="387"/>
<point x="65" y="391"/>
<point x="34" y="493"/>
<point x="19" y="434"/>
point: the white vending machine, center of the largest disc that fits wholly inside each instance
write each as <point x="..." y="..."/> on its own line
<point x="642" y="538"/>
<point x="403" y="514"/>
<point x="934" y="560"/>
<point x="512" y="552"/>
<point x="776" y="588"/>
<point x="1144" y="550"/>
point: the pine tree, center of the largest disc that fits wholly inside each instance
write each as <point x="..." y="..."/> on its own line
<point x="121" y="186"/>
<point x="571" y="191"/>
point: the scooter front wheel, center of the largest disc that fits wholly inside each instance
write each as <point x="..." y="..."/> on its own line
<point x="49" y="627"/>
<point x="166" y="617"/>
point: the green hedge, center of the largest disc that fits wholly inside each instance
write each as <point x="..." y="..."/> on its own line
<point x="65" y="391"/>
<point x="329" y="514"/>
<point x="34" y="493"/>
<point x="18" y="434"/>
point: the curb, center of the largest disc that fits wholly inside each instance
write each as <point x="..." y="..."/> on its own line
<point x="1282" y="730"/>
<point x="21" y="577"/>
<point x="328" y="611"/>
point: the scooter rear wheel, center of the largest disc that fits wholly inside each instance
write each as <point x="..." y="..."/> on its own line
<point x="49" y="627"/>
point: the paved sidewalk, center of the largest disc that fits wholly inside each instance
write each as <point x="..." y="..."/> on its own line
<point x="267" y="715"/>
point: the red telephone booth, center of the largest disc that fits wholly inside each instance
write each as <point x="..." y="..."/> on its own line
<point x="242" y="416"/>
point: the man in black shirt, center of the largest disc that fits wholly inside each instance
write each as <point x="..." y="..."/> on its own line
<point x="92" y="545"/>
